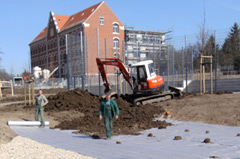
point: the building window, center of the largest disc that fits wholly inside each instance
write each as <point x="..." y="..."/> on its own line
<point x="101" y="21"/>
<point x="115" y="28"/>
<point x="51" y="32"/>
<point x="115" y="43"/>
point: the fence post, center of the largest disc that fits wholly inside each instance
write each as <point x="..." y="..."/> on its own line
<point x="33" y="93"/>
<point x="204" y="80"/>
<point x="201" y="71"/>
<point x="176" y="79"/>
<point x="192" y="63"/>
<point x="182" y="66"/>
<point x="186" y="73"/>
<point x="118" y="83"/>
<point x="211" y="76"/>
<point x="0" y="89"/>
<point x="160" y="54"/>
<point x="74" y="82"/>
<point x="11" y="84"/>
<point x="186" y="62"/>
<point x="68" y="82"/>
<point x="98" y="53"/>
<point x="215" y="61"/>
<point x="29" y="93"/>
<point x="86" y="44"/>
<point x="105" y="45"/>
<point x="167" y="66"/>
<point x="138" y="57"/>
<point x="82" y="60"/>
<point x="153" y="54"/>
<point x="116" y="79"/>
<point x="173" y="65"/>
<point x="25" y="93"/>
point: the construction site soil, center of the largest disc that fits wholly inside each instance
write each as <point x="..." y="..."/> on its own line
<point x="78" y="110"/>
<point x="132" y="119"/>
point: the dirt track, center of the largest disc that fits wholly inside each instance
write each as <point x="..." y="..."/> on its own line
<point x="66" y="111"/>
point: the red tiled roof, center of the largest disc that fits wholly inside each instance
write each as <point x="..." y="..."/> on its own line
<point x="65" y="22"/>
<point x="80" y="17"/>
<point x="61" y="20"/>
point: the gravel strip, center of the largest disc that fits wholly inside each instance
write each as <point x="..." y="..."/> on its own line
<point x="24" y="148"/>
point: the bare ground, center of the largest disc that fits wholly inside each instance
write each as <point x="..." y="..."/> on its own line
<point x="222" y="109"/>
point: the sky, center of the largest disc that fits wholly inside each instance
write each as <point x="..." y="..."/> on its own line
<point x="21" y="21"/>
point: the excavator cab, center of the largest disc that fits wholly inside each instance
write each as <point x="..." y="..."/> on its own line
<point x="145" y="80"/>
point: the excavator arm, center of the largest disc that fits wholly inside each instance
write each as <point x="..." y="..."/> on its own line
<point x="112" y="62"/>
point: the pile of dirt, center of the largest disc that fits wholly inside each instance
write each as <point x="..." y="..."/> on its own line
<point x="76" y="99"/>
<point x="131" y="119"/>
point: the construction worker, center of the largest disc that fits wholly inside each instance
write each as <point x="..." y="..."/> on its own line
<point x="41" y="101"/>
<point x="108" y="109"/>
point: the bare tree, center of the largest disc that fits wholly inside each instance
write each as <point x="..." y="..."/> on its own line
<point x="4" y="75"/>
<point x="203" y="34"/>
<point x="26" y="67"/>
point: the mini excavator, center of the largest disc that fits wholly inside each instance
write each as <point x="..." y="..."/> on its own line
<point x="147" y="87"/>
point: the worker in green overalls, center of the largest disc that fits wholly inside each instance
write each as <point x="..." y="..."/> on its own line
<point x="41" y="101"/>
<point x="108" y="109"/>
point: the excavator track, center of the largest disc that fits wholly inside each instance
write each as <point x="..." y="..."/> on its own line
<point x="154" y="98"/>
<point x="161" y="97"/>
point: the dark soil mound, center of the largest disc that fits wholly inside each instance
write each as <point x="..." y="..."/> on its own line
<point x="131" y="119"/>
<point x="77" y="100"/>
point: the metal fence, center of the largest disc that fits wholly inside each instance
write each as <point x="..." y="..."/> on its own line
<point x="176" y="60"/>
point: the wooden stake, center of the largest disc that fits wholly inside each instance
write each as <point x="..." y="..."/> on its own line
<point x="25" y="93"/>
<point x="11" y="83"/>
<point x="204" y="84"/>
<point x="29" y="94"/>
<point x="0" y="89"/>
<point x="33" y="93"/>
<point x="200" y="74"/>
